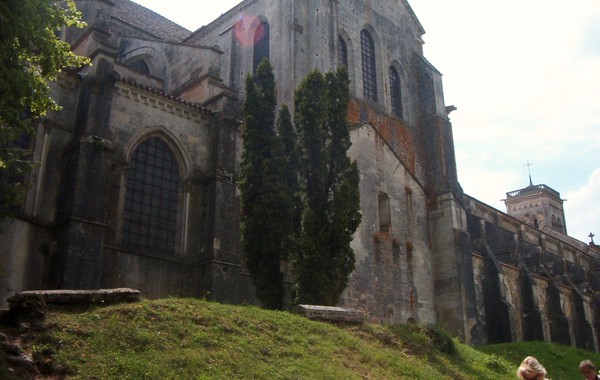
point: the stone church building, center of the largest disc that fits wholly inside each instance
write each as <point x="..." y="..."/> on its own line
<point x="136" y="182"/>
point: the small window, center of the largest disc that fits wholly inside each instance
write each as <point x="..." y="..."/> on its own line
<point x="395" y="92"/>
<point x="261" y="44"/>
<point x="384" y="212"/>
<point x="141" y="65"/>
<point x="342" y="52"/>
<point x="369" y="71"/>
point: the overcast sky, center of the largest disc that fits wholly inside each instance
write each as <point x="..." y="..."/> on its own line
<point x="525" y="77"/>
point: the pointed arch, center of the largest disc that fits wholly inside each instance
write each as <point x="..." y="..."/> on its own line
<point x="261" y="47"/>
<point x="168" y="138"/>
<point x="342" y="52"/>
<point x="396" y="92"/>
<point x="345" y="56"/>
<point x="147" y="60"/>
<point x="153" y="198"/>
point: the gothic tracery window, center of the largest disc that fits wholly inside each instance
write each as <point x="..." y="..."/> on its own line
<point x="395" y="92"/>
<point x="261" y="44"/>
<point x="369" y="71"/>
<point x="151" y="198"/>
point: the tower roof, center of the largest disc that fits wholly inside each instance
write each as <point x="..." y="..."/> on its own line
<point x="531" y="189"/>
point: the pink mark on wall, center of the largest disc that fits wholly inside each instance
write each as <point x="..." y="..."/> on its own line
<point x="248" y="30"/>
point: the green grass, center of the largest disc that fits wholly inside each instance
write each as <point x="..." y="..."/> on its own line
<point x="196" y="339"/>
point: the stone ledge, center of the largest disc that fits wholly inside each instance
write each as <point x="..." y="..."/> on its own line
<point x="331" y="313"/>
<point x="74" y="297"/>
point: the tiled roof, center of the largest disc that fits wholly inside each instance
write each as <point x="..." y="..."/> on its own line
<point x="149" y="21"/>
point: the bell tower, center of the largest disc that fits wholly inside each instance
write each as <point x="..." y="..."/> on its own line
<point x="538" y="205"/>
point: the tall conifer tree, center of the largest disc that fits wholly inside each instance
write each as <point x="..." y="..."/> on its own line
<point x="269" y="187"/>
<point x="330" y="179"/>
<point x="287" y="162"/>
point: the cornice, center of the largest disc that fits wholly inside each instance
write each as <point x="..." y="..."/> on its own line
<point x="161" y="100"/>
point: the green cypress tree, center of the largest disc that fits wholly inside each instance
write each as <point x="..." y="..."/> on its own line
<point x="258" y="186"/>
<point x="344" y="208"/>
<point x="331" y="214"/>
<point x="287" y="159"/>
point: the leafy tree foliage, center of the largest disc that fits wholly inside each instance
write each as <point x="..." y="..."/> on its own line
<point x="32" y="54"/>
<point x="331" y="210"/>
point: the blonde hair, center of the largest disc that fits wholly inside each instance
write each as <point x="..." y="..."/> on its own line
<point x="531" y="365"/>
<point x="587" y="363"/>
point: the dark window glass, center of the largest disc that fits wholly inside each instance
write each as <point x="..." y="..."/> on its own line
<point x="385" y="218"/>
<point x="141" y="66"/>
<point x="261" y="44"/>
<point x="151" y="199"/>
<point x="342" y="52"/>
<point x="395" y="92"/>
<point x="368" y="66"/>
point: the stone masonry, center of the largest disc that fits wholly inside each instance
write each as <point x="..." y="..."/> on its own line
<point x="136" y="183"/>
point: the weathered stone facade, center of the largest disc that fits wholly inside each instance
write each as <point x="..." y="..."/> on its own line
<point x="136" y="183"/>
<point x="540" y="206"/>
<point x="533" y="284"/>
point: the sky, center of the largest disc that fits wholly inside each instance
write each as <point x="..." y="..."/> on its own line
<point x="525" y="78"/>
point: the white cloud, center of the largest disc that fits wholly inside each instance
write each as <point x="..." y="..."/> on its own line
<point x="582" y="209"/>
<point x="524" y="77"/>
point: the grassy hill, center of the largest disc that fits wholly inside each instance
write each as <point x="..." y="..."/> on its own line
<point x="196" y="339"/>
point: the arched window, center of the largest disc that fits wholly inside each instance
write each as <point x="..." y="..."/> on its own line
<point x="151" y="198"/>
<point x="342" y="52"/>
<point x="369" y="71"/>
<point x="261" y="44"/>
<point x="142" y="66"/>
<point x="395" y="92"/>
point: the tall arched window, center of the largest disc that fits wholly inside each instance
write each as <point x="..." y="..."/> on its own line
<point x="151" y="198"/>
<point x="261" y="44"/>
<point x="342" y="52"/>
<point x="369" y="71"/>
<point x="395" y="92"/>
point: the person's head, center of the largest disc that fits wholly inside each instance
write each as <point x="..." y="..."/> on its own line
<point x="588" y="370"/>
<point x="531" y="369"/>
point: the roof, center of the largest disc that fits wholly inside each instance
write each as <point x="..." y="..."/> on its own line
<point x="533" y="189"/>
<point x="149" y="21"/>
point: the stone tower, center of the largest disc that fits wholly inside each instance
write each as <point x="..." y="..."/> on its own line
<point x="538" y="205"/>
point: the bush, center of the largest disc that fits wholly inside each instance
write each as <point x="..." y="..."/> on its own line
<point x="496" y="364"/>
<point x="441" y="340"/>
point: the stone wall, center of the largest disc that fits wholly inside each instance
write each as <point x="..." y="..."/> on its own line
<point x="532" y="284"/>
<point x="393" y="280"/>
<point x="425" y="251"/>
